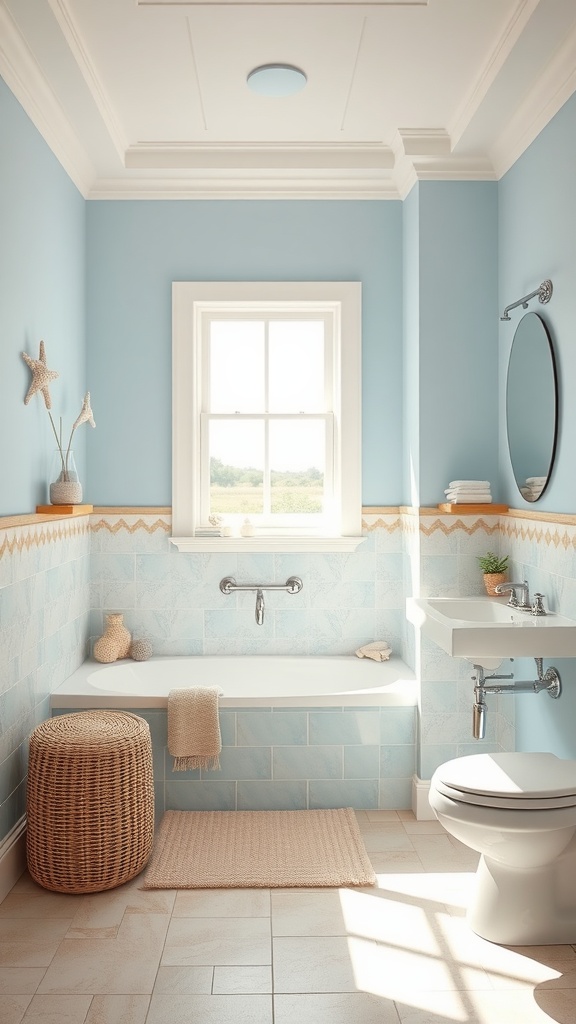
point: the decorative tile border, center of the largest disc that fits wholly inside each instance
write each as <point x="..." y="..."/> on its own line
<point x="39" y="534"/>
<point x="548" y="528"/>
<point x="124" y="523"/>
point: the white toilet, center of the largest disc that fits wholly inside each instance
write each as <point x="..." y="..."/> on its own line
<point x="519" y="812"/>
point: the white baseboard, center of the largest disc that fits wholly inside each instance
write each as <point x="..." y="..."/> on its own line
<point x="420" y="803"/>
<point x="12" y="857"/>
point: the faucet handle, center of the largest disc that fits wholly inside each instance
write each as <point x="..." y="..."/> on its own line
<point x="538" y="606"/>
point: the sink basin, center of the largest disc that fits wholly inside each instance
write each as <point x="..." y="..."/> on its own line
<point x="468" y="627"/>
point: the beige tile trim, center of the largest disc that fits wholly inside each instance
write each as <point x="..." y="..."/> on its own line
<point x="38" y="534"/>
<point x="448" y="526"/>
<point x="121" y="524"/>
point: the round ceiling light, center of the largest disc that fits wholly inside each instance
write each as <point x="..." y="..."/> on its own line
<point x="276" y="80"/>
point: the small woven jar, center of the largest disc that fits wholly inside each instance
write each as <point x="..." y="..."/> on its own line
<point x="492" y="580"/>
<point x="115" y="641"/>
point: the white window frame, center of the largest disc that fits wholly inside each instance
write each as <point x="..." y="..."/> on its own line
<point x="193" y="300"/>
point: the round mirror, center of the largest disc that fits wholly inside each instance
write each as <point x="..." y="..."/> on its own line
<point x="531" y="406"/>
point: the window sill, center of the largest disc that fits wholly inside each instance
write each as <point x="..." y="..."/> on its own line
<point x="269" y="544"/>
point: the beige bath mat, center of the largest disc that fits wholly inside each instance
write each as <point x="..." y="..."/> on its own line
<point x="250" y="849"/>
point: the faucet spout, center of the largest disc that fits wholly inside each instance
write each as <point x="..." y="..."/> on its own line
<point x="511" y="588"/>
<point x="259" y="607"/>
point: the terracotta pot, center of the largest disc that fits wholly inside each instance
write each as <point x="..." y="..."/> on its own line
<point x="491" y="581"/>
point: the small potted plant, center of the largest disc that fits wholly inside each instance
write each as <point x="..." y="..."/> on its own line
<point x="495" y="570"/>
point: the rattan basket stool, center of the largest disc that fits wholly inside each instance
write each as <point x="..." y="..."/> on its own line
<point x="90" y="801"/>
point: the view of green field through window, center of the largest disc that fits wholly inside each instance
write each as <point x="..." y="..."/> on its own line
<point x="267" y="422"/>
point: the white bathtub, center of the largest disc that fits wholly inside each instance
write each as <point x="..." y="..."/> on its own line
<point x="246" y="681"/>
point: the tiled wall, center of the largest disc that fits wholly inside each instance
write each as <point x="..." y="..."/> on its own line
<point x="49" y="581"/>
<point x="44" y="610"/>
<point x="174" y="599"/>
<point x="443" y="551"/>
<point x="293" y="759"/>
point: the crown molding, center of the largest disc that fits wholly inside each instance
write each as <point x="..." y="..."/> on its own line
<point x="24" y="78"/>
<point x="293" y="3"/>
<point x="455" y="169"/>
<point x="252" y="187"/>
<point x="79" y="50"/>
<point x="296" y="157"/>
<point x="554" y="87"/>
<point x="493" y="65"/>
<point x="433" y="142"/>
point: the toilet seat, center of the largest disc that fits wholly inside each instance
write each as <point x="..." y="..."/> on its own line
<point x="531" y="781"/>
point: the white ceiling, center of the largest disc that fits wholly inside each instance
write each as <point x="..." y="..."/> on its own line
<point x="148" y="98"/>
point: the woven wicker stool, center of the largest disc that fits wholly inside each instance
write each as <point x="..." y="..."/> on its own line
<point x="90" y="800"/>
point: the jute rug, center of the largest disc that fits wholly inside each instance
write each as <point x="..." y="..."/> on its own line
<point x="252" y="849"/>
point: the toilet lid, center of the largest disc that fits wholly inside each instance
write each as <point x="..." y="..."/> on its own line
<point x="515" y="780"/>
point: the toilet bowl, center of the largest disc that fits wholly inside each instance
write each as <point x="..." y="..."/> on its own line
<point x="519" y="811"/>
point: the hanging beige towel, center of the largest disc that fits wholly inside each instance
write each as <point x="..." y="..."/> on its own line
<point x="193" y="728"/>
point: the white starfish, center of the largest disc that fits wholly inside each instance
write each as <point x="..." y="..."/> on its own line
<point x="41" y="376"/>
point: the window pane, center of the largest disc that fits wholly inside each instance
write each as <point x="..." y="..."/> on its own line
<point x="296" y="354"/>
<point x="237" y="366"/>
<point x="297" y="455"/>
<point x="236" y="466"/>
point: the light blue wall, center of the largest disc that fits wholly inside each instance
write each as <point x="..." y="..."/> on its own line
<point x="537" y="232"/>
<point x="42" y="254"/>
<point x="458" y="398"/>
<point x="137" y="249"/>
<point x="411" y="320"/>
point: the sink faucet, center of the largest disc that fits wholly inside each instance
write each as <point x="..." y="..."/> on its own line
<point x="511" y="588"/>
<point x="259" y="607"/>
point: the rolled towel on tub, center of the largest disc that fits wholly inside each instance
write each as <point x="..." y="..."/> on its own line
<point x="194" y="728"/>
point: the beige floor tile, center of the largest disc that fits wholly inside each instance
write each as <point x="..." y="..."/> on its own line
<point x="383" y="816"/>
<point x="402" y="922"/>
<point x="423" y="827"/>
<point x="13" y="1008"/>
<point x="253" y="1009"/>
<point x="521" y="1007"/>
<point x="29" y="942"/>
<point x="40" y="904"/>
<point x="334" y="1008"/>
<point x="440" y="1007"/>
<point x="20" y="979"/>
<point x="392" y="971"/>
<point x="118" y="1010"/>
<point x="182" y="980"/>
<point x="222" y="903"/>
<point x="124" y="965"/>
<point x="242" y="980"/>
<point x="217" y="941"/>
<point x="317" y="913"/>
<point x="57" y="1009"/>
<point x="99" y="915"/>
<point x="384" y="863"/>
<point x="313" y="964"/>
<point x="383" y="840"/>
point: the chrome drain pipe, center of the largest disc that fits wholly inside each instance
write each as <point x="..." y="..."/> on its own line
<point x="549" y="681"/>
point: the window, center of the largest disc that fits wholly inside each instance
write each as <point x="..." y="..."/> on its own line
<point x="266" y="413"/>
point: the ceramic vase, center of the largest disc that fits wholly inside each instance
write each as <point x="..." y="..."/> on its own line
<point x="115" y="641"/>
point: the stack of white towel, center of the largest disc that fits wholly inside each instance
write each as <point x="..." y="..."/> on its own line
<point x="533" y="487"/>
<point x="468" y="492"/>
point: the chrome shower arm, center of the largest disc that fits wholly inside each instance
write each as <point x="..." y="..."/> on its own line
<point x="544" y="293"/>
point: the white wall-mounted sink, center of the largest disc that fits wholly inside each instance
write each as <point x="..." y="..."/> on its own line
<point x="468" y="627"/>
